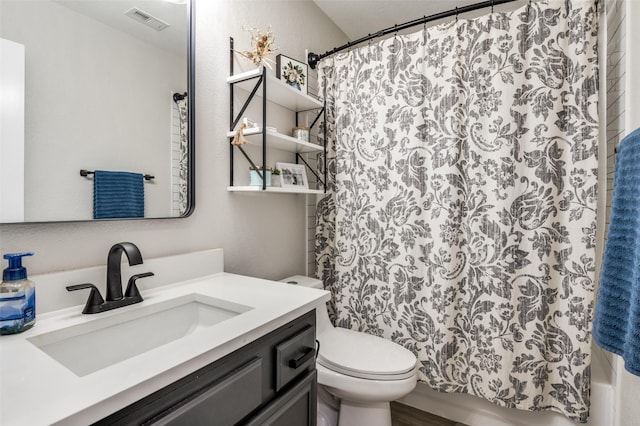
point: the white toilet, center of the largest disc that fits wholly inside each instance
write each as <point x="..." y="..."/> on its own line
<point x="361" y="372"/>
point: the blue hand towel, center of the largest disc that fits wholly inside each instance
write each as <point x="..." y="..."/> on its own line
<point x="616" y="326"/>
<point x="117" y="195"/>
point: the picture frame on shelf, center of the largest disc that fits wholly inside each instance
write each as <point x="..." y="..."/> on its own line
<point x="293" y="175"/>
<point x="292" y="72"/>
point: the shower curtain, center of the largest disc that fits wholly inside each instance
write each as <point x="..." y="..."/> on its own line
<point x="183" y="154"/>
<point x="460" y="219"/>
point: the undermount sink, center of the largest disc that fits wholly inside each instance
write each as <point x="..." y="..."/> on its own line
<point x="89" y="347"/>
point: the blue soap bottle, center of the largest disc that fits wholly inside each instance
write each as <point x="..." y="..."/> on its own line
<point x="17" y="297"/>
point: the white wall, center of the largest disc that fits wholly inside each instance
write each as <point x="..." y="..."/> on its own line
<point x="262" y="235"/>
<point x="119" y="119"/>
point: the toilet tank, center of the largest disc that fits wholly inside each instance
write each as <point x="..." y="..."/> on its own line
<point x="322" y="317"/>
<point x="303" y="281"/>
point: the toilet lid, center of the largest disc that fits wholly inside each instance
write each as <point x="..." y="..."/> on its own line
<point x="363" y="355"/>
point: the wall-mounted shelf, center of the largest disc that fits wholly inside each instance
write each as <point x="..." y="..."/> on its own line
<point x="262" y="84"/>
<point x="278" y="141"/>
<point x="274" y="189"/>
<point x="279" y="92"/>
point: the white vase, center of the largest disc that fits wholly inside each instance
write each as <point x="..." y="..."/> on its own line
<point x="275" y="180"/>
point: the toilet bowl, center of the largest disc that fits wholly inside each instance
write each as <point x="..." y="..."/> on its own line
<point x="363" y="372"/>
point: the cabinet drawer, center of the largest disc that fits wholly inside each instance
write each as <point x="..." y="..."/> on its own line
<point x="224" y="403"/>
<point x="294" y="356"/>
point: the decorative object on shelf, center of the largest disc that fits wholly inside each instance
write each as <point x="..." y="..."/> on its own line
<point x="272" y="129"/>
<point x="292" y="72"/>
<point x="293" y="175"/>
<point x="238" y="138"/>
<point x="262" y="46"/>
<point x="250" y="124"/>
<point x="301" y="133"/>
<point x="254" y="176"/>
<point x="275" y="178"/>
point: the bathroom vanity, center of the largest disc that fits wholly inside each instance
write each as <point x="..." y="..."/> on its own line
<point x="271" y="380"/>
<point x="216" y="346"/>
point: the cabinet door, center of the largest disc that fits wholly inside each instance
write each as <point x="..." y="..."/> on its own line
<point x="224" y="403"/>
<point x="296" y="407"/>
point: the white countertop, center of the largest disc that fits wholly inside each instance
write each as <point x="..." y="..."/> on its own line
<point x="37" y="390"/>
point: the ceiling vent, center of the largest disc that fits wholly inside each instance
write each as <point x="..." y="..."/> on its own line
<point x="146" y="19"/>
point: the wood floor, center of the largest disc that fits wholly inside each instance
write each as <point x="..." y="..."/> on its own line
<point x="403" y="415"/>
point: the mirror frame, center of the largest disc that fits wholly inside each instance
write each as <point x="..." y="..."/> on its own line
<point x="191" y="91"/>
<point x="191" y="159"/>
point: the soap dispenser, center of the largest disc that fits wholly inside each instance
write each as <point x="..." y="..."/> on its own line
<point x="17" y="297"/>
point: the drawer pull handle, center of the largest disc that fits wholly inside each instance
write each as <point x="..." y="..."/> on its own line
<point x="302" y="359"/>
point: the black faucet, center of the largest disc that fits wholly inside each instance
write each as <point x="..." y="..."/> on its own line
<point x="115" y="299"/>
<point x="114" y="263"/>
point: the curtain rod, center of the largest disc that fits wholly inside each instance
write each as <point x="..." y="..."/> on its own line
<point x="314" y="58"/>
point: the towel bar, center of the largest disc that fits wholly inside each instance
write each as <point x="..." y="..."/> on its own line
<point x="86" y="173"/>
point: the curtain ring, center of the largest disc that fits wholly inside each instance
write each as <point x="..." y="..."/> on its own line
<point x="491" y="6"/>
<point x="456" y="13"/>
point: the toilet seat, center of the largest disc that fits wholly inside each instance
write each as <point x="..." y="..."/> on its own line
<point x="364" y="356"/>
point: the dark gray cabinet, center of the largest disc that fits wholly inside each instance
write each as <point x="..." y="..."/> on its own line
<point x="295" y="407"/>
<point x="270" y="381"/>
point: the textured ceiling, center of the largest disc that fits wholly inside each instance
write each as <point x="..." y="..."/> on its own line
<point x="112" y="13"/>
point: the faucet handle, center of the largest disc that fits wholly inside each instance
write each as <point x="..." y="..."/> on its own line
<point x="132" y="288"/>
<point x="94" y="301"/>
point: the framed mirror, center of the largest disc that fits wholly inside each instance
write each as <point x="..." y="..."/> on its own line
<point x="97" y="109"/>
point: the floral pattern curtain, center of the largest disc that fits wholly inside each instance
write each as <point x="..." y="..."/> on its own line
<point x="461" y="214"/>
<point x="183" y="162"/>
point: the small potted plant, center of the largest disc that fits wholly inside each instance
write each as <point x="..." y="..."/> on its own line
<point x="275" y="177"/>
